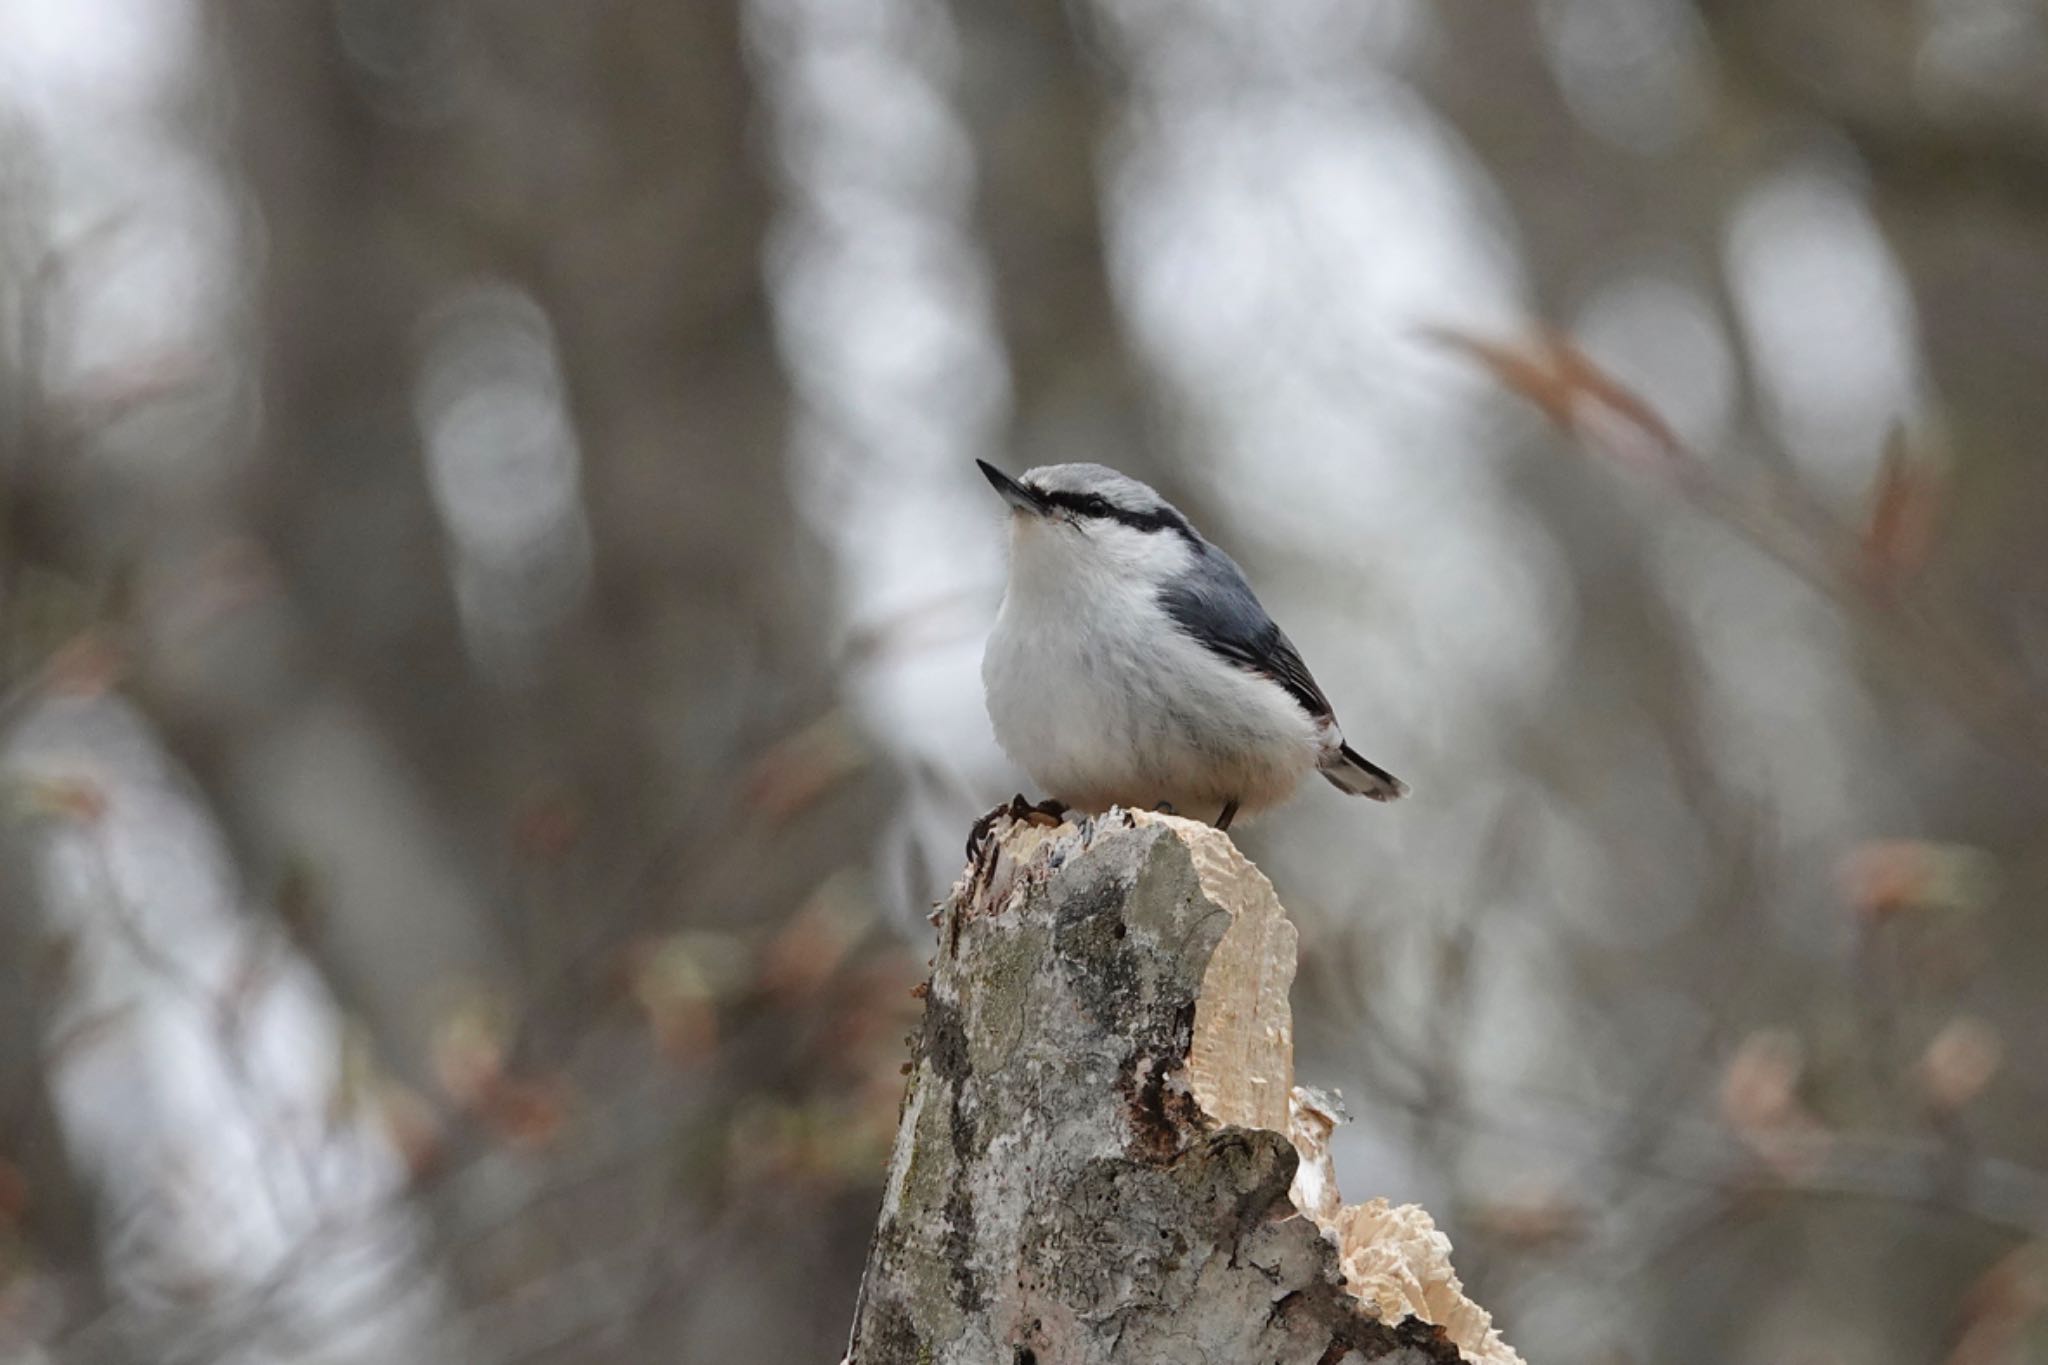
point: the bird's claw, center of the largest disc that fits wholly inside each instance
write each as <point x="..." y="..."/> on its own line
<point x="981" y="827"/>
<point x="1048" y="813"/>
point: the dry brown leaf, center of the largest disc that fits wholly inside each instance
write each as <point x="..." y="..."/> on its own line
<point x="797" y="771"/>
<point x="69" y="798"/>
<point x="1905" y="503"/>
<point x="1886" y="876"/>
<point x="1760" y="1087"/>
<point x="1524" y="371"/>
<point x="1551" y="372"/>
<point x="548" y="826"/>
<point x="1759" y="1101"/>
<point x="527" y="1113"/>
<point x="255" y="966"/>
<point x="87" y="666"/>
<point x="2000" y="1305"/>
<point x="2015" y="1286"/>
<point x="940" y="620"/>
<point x="677" y="981"/>
<point x="413" y="1128"/>
<point x="1959" y="1062"/>
<point x="110" y="392"/>
<point x="1533" y="1222"/>
<point x="816" y="941"/>
<point x="469" y="1049"/>
<point x="88" y="1033"/>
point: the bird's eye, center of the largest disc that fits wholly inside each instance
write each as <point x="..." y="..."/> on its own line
<point x="1095" y="506"/>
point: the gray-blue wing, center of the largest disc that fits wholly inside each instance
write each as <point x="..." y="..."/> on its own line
<point x="1213" y="603"/>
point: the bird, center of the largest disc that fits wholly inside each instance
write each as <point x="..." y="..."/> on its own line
<point x="1131" y="664"/>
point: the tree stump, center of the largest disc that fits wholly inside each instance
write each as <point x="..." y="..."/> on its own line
<point x="1102" y="1157"/>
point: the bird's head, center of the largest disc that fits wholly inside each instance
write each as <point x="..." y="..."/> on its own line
<point x="1087" y="517"/>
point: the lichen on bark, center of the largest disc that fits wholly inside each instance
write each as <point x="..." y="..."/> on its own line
<point x="1100" y="1133"/>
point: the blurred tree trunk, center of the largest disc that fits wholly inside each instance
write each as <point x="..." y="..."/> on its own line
<point x="386" y="188"/>
<point x="1959" y="182"/>
<point x="600" y="161"/>
<point x="52" y="1198"/>
<point x="1041" y="114"/>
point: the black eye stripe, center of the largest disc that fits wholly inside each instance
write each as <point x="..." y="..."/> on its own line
<point x="1095" y="505"/>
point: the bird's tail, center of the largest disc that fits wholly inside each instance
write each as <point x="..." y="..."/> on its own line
<point x="1350" y="771"/>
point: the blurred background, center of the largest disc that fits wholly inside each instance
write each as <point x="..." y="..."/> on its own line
<point x="493" y="576"/>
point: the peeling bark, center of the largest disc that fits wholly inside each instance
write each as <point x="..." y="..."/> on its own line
<point x="1094" y="1160"/>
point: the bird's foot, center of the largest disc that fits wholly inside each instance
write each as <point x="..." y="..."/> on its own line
<point x="1229" y="814"/>
<point x="981" y="827"/>
<point x="1165" y="808"/>
<point x="1048" y="812"/>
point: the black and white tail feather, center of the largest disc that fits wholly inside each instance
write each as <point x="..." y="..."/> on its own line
<point x="1350" y="771"/>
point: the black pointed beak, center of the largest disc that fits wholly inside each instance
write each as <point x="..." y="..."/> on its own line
<point x="1014" y="493"/>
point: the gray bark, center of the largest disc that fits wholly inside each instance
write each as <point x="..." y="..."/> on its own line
<point x="1065" y="1188"/>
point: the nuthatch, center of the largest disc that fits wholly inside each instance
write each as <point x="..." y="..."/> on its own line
<point x="1132" y="665"/>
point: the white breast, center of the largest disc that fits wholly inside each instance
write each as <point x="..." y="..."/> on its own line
<point x="1097" y="694"/>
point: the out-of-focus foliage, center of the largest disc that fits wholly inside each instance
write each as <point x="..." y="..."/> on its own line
<point x="492" y="579"/>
